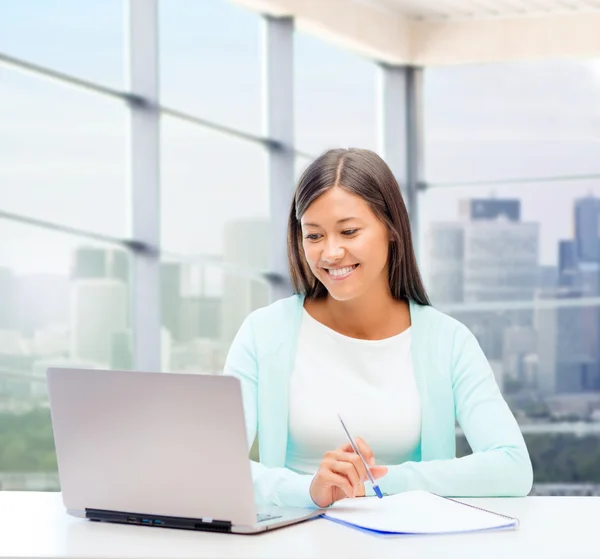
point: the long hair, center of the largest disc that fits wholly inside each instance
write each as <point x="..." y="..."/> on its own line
<point x="364" y="173"/>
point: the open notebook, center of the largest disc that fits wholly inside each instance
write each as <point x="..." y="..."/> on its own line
<point x="416" y="512"/>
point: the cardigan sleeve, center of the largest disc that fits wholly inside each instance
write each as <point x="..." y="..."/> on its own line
<point x="499" y="465"/>
<point x="272" y="486"/>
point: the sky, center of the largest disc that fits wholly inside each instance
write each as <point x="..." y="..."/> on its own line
<point x="63" y="152"/>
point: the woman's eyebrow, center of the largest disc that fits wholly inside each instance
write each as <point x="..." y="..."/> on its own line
<point x="339" y="221"/>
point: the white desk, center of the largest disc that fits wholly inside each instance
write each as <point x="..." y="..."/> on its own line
<point x="34" y="525"/>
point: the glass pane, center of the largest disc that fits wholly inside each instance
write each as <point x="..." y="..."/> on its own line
<point x="335" y="97"/>
<point x="63" y="302"/>
<point x="202" y="309"/>
<point x="62" y="154"/>
<point x="514" y="120"/>
<point x="84" y="39"/>
<point x="521" y="269"/>
<point x="214" y="187"/>
<point x="77" y="143"/>
<point x="210" y="62"/>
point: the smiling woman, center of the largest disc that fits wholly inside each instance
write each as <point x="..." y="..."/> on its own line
<point x="338" y="218"/>
<point x="360" y="339"/>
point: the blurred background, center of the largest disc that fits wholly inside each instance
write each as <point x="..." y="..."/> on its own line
<point x="148" y="154"/>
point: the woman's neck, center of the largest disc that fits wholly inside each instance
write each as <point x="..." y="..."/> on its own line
<point x="373" y="316"/>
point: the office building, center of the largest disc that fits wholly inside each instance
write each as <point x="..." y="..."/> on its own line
<point x="98" y="311"/>
<point x="490" y="208"/>
<point x="446" y="278"/>
<point x="587" y="232"/>
<point x="568" y="264"/>
<point x="567" y="341"/>
<point x="91" y="262"/>
<point x="500" y="260"/>
<point x="246" y="246"/>
<point x="473" y="261"/>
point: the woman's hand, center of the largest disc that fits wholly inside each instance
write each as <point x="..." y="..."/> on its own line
<point x="342" y="474"/>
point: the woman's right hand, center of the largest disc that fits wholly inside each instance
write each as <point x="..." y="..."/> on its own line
<point x="342" y="474"/>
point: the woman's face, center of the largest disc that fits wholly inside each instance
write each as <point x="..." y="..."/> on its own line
<point x="345" y="244"/>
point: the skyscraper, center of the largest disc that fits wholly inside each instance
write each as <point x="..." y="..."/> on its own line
<point x="92" y="262"/>
<point x="98" y="311"/>
<point x="484" y="259"/>
<point x="246" y="248"/>
<point x="500" y="260"/>
<point x="568" y="264"/>
<point x="446" y="279"/>
<point x="170" y="297"/>
<point x="476" y="209"/>
<point x="587" y="228"/>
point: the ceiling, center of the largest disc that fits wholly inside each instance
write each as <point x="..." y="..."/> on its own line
<point x="452" y="10"/>
<point x="448" y="32"/>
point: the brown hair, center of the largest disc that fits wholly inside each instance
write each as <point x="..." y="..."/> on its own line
<point x="364" y="173"/>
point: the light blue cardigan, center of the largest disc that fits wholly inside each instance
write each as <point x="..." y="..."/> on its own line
<point x="455" y="382"/>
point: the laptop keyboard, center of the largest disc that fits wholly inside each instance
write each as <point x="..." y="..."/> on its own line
<point x="265" y="517"/>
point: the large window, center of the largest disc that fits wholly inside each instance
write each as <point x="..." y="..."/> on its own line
<point x="63" y="303"/>
<point x="84" y="39"/>
<point x="202" y="308"/>
<point x="210" y="62"/>
<point x="335" y="97"/>
<point x="215" y="216"/>
<point x="510" y="237"/>
<point x="212" y="183"/>
<point x="62" y="154"/>
<point x="509" y="221"/>
<point x="505" y="121"/>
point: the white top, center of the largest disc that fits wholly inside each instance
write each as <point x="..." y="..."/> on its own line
<point x="35" y="525"/>
<point x="370" y="383"/>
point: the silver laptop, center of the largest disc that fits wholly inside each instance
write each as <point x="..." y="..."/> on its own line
<point x="157" y="449"/>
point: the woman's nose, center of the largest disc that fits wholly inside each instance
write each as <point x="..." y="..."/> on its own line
<point x="332" y="252"/>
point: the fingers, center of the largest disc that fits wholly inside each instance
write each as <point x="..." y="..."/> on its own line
<point x="378" y="471"/>
<point x="349" y="471"/>
<point x="366" y="451"/>
<point x="336" y="480"/>
<point x="364" y="448"/>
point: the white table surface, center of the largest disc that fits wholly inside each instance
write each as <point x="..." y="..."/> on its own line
<point x="35" y="525"/>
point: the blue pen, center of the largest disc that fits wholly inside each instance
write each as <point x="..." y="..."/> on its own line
<point x="369" y="474"/>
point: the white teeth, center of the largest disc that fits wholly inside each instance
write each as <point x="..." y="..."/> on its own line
<point x="341" y="271"/>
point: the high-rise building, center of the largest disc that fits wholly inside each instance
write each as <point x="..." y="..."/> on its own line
<point x="545" y="323"/>
<point x="587" y="232"/>
<point x="98" y="311"/>
<point x="490" y="209"/>
<point x="587" y="228"/>
<point x="446" y="279"/>
<point x="246" y="247"/>
<point x="568" y="264"/>
<point x="170" y="297"/>
<point x="485" y="260"/>
<point x="92" y="262"/>
<point x="500" y="260"/>
<point x="568" y="352"/>
<point x="519" y="346"/>
<point x="187" y="312"/>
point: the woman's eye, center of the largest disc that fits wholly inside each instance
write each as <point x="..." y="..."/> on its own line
<point x="349" y="232"/>
<point x="312" y="236"/>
